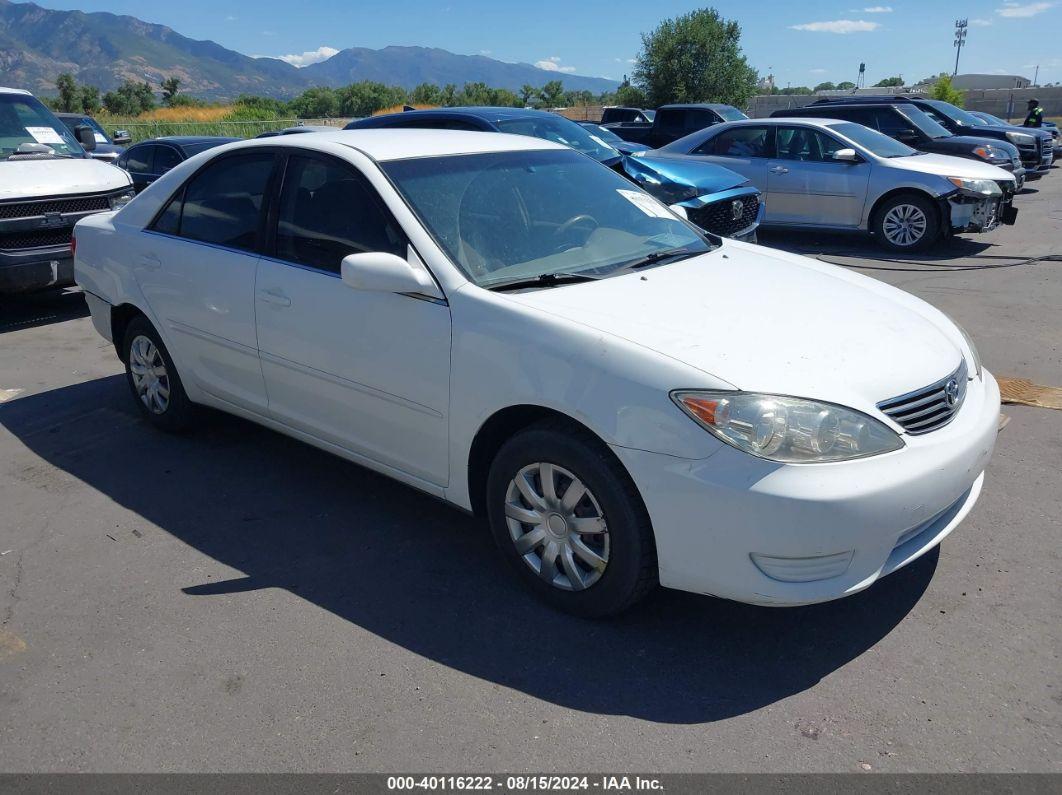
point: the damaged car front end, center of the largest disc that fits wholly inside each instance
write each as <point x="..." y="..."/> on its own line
<point x="976" y="205"/>
<point x="716" y="199"/>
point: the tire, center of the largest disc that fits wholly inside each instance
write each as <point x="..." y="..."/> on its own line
<point x="898" y="220"/>
<point x="167" y="405"/>
<point x="611" y="500"/>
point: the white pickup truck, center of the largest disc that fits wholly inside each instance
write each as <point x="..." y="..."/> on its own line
<point x="48" y="182"/>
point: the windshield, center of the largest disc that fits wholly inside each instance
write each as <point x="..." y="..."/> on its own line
<point x="921" y="120"/>
<point x="874" y="142"/>
<point x="97" y="132"/>
<point x="511" y="216"/>
<point x="24" y="120"/>
<point x="597" y="131"/>
<point x="729" y="113"/>
<point x="560" y="130"/>
<point x="988" y="118"/>
<point x="949" y="111"/>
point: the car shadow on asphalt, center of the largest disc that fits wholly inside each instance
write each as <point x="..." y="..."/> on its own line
<point x="810" y="242"/>
<point x="19" y="312"/>
<point x="427" y="578"/>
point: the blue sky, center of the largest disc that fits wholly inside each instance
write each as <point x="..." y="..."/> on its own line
<point x="803" y="43"/>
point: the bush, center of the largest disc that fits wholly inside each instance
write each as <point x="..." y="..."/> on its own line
<point x="946" y="92"/>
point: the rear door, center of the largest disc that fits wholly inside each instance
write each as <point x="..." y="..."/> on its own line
<point x="806" y="186"/>
<point x="744" y="149"/>
<point x="196" y="267"/>
<point x="137" y="161"/>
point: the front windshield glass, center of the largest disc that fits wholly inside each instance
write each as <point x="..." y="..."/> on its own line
<point x="873" y="141"/>
<point x="24" y="120"/>
<point x="921" y="120"/>
<point x="730" y="113"/>
<point x="558" y="129"/>
<point x="597" y="131"/>
<point x="510" y="216"/>
<point x="949" y="111"/>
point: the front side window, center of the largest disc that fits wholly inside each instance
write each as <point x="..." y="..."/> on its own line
<point x="223" y="202"/>
<point x="804" y="143"/>
<point x="24" y="120"/>
<point x="736" y="142"/>
<point x="510" y="216"/>
<point x="166" y="157"/>
<point x="328" y="211"/>
<point x="138" y="159"/>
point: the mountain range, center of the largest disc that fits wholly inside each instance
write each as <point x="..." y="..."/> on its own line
<point x="102" y="49"/>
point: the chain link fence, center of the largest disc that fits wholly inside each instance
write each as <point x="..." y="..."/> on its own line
<point x="142" y="131"/>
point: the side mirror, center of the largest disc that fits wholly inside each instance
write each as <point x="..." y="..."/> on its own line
<point x="846" y="156"/>
<point x="381" y="272"/>
<point x="122" y="137"/>
<point x="905" y="135"/>
<point x="86" y="136"/>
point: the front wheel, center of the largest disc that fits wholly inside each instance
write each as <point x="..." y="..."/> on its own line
<point x="569" y="519"/>
<point x="907" y="223"/>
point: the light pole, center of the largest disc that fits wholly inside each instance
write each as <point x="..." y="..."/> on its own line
<point x="960" y="40"/>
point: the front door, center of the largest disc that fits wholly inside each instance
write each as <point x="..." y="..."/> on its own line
<point x="744" y="149"/>
<point x="367" y="371"/>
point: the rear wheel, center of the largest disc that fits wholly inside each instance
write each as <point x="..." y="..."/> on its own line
<point x="907" y="223"/>
<point x="153" y="378"/>
<point x="566" y="515"/>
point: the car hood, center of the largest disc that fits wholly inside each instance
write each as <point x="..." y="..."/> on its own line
<point x="767" y="321"/>
<point x="949" y="166"/>
<point x="653" y="170"/>
<point x="21" y="179"/>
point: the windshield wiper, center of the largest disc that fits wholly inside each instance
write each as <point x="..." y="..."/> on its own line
<point x="657" y="257"/>
<point x="542" y="280"/>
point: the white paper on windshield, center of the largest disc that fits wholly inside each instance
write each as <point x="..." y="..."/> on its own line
<point x="44" y="135"/>
<point x="647" y="204"/>
<point x="100" y="138"/>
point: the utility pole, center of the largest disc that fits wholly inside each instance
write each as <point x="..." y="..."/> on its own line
<point x="1036" y="75"/>
<point x="960" y="40"/>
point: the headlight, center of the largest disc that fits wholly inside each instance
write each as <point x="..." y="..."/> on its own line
<point x="982" y="187"/>
<point x="786" y="429"/>
<point x="118" y="202"/>
<point x="976" y="363"/>
<point x="1020" y="138"/>
<point x="991" y="154"/>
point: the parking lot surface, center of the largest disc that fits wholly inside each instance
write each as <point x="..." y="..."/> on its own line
<point x="233" y="600"/>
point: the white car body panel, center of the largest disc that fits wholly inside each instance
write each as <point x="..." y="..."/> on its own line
<point x="403" y="384"/>
<point x="27" y="179"/>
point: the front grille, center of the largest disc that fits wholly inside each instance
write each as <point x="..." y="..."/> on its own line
<point x="76" y="204"/>
<point x="930" y="408"/>
<point x="16" y="241"/>
<point x="719" y="217"/>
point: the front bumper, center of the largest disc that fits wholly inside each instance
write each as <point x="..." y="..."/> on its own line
<point x="823" y="531"/>
<point x="735" y="213"/>
<point x="969" y="214"/>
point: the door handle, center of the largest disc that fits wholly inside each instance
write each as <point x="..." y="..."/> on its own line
<point x="149" y="262"/>
<point x="274" y="297"/>
<point x="779" y="170"/>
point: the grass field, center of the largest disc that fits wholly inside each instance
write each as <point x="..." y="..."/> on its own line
<point x="199" y="121"/>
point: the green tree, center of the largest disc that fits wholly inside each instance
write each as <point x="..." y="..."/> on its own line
<point x="630" y="97"/>
<point x="69" y="98"/>
<point x="552" y="93"/>
<point x="827" y="86"/>
<point x="426" y="94"/>
<point x="576" y="98"/>
<point x="889" y="82"/>
<point x="170" y="87"/>
<point x="129" y="99"/>
<point x="845" y="85"/>
<point x="504" y="98"/>
<point x="528" y="94"/>
<point x="946" y="92"/>
<point x="695" y="57"/>
<point x="89" y="100"/>
<point x="366" y="97"/>
<point x="320" y="102"/>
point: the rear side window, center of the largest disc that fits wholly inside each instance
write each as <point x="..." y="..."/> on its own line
<point x="327" y="211"/>
<point x="737" y="142"/>
<point x="698" y="119"/>
<point x="223" y="203"/>
<point x="166" y="157"/>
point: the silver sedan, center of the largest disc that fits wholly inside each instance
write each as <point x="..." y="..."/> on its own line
<point x="832" y="174"/>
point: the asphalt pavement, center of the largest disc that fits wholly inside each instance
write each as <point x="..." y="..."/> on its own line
<point x="233" y="600"/>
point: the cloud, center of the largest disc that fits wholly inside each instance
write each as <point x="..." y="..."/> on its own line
<point x="980" y="23"/>
<point x="305" y="58"/>
<point x="484" y="52"/>
<point x="231" y="18"/>
<point x="1018" y="10"/>
<point x="817" y="71"/>
<point x="553" y="64"/>
<point x="875" y="10"/>
<point x="838" y="26"/>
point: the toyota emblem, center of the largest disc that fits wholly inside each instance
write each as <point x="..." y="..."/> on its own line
<point x="737" y="207"/>
<point x="951" y="393"/>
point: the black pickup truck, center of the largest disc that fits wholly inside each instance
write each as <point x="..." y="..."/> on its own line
<point x="672" y="122"/>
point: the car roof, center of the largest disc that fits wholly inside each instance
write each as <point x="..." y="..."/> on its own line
<point x="6" y="90"/>
<point x="485" y="112"/>
<point x="809" y="121"/>
<point x="389" y="143"/>
<point x="73" y="115"/>
<point x="709" y="105"/>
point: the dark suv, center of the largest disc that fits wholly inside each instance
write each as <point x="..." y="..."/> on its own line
<point x="1034" y="146"/>
<point x="910" y="125"/>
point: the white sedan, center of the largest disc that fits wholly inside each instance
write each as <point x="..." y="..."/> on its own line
<point x="512" y="327"/>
